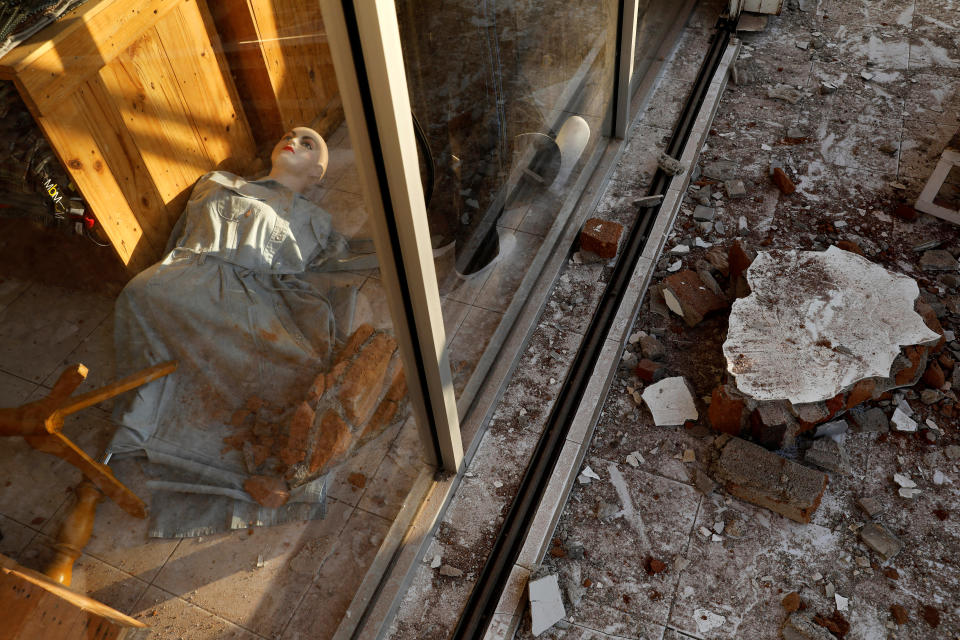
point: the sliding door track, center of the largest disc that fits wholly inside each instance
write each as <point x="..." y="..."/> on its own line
<point x="493" y="577"/>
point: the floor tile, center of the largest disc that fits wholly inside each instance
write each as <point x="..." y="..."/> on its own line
<point x="172" y="618"/>
<point x="14" y="537"/>
<point x="14" y="390"/>
<point x="11" y="289"/>
<point x="326" y="601"/>
<point x="351" y="479"/>
<point x="96" y="352"/>
<point x="388" y="488"/>
<point x="42" y="326"/>
<point x="349" y="213"/>
<point x="498" y="291"/>
<point x="220" y="573"/>
<point x="470" y="342"/>
<point x="100" y="581"/>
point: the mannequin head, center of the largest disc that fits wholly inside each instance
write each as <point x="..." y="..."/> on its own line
<point x="299" y="159"/>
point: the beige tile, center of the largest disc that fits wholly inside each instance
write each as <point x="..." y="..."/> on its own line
<point x="511" y="599"/>
<point x="372" y="306"/>
<point x="453" y="314"/>
<point x="220" y="574"/>
<point x="387" y="490"/>
<point x="541" y="215"/>
<point x="350" y="481"/>
<point x="326" y="601"/>
<point x="15" y="537"/>
<point x="349" y="213"/>
<point x="498" y="291"/>
<point x="470" y="342"/>
<point x="32" y="487"/>
<point x="97" y="354"/>
<point x="171" y="618"/>
<point x="342" y="161"/>
<point x="14" y="391"/>
<point x="43" y="325"/>
<point x="100" y="581"/>
<point x="10" y="289"/>
<point x="118" y="538"/>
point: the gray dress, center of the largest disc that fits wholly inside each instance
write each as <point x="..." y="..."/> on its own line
<point x="234" y="303"/>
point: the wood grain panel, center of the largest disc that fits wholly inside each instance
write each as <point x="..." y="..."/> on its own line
<point x="201" y="76"/>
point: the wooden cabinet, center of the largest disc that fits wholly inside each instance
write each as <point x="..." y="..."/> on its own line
<point x="137" y="101"/>
<point x="278" y="52"/>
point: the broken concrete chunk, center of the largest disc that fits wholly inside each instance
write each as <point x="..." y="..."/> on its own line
<point x="687" y="296"/>
<point x="784" y="92"/>
<point x="707" y="620"/>
<point x="938" y="260"/>
<point x="648" y="201"/>
<point x="704" y="214"/>
<point x="872" y="420"/>
<point x="735" y="189"/>
<point x="670" y="166"/>
<point x="720" y="170"/>
<point x="651" y="348"/>
<point x="902" y="421"/>
<point x="834" y="430"/>
<point x="671" y="402"/>
<point x="601" y="237"/>
<point x="828" y="454"/>
<point x="546" y="604"/>
<point x="751" y="473"/>
<point x="880" y="540"/>
<point x="450" y="572"/>
<point x="871" y="506"/>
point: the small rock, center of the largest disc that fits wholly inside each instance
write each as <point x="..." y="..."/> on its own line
<point x="903" y="422"/>
<point x="952" y="452"/>
<point x="826" y="88"/>
<point x="648" y="201"/>
<point x="735" y="189"/>
<point x="651" y="348"/>
<point x="670" y="166"/>
<point x="704" y="214"/>
<point x="899" y="613"/>
<point x="878" y="538"/>
<point x="873" y="420"/>
<point x="938" y="260"/>
<point x="720" y="170"/>
<point x="791" y="602"/>
<point x="829" y="455"/>
<point x="742" y="225"/>
<point x="784" y="92"/>
<point x="871" y="506"/>
<point x="843" y="604"/>
<point x="450" y="572"/>
<point x="800" y="626"/>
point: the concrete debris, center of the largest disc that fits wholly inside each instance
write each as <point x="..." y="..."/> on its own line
<point x="687" y="296"/>
<point x="901" y="421"/>
<point x="707" y="278"/>
<point x="546" y="604"/>
<point x="671" y="402"/>
<point x="904" y="480"/>
<point x="436" y="562"/>
<point x="701" y="243"/>
<point x="784" y="92"/>
<point x="836" y="430"/>
<point x="707" y="620"/>
<point x="689" y="455"/>
<point x="826" y="88"/>
<point x="879" y="539"/>
<point x="735" y="189"/>
<point x="952" y="452"/>
<point x="751" y="473"/>
<point x="909" y="493"/>
<point x="742" y="225"/>
<point x="651" y="348"/>
<point x="704" y="214"/>
<point x="872" y="420"/>
<point x="607" y="510"/>
<point x="676" y="266"/>
<point x="899" y="613"/>
<point x="828" y="454"/>
<point x="938" y="260"/>
<point x="843" y="604"/>
<point x="939" y="478"/>
<point x="450" y="572"/>
<point x="871" y="506"/>
<point x="648" y="201"/>
<point x="670" y="166"/>
<point x="601" y="237"/>
<point x="701" y="480"/>
<point x="587" y="475"/>
<point x="680" y="249"/>
<point x="635" y="459"/>
<point x="722" y="170"/>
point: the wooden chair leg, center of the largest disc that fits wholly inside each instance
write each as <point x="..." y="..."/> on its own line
<point x="74" y="533"/>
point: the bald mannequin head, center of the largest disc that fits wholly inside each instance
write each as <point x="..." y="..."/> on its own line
<point x="299" y="159"/>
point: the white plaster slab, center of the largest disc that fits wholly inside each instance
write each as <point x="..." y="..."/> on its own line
<point x="817" y="323"/>
<point x="546" y="604"/>
<point x="670" y="401"/>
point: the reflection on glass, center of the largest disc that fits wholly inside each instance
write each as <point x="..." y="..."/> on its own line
<point x="288" y="406"/>
<point x="510" y="99"/>
<point x="654" y="21"/>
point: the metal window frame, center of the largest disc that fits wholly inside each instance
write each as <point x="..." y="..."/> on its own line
<point x="364" y="42"/>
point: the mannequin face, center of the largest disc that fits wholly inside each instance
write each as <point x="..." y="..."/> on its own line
<point x="300" y="153"/>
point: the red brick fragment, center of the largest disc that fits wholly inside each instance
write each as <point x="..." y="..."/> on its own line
<point x="269" y="491"/>
<point x="688" y="297"/>
<point x="931" y="615"/>
<point x="654" y="566"/>
<point x="906" y="212"/>
<point x="650" y="371"/>
<point x="601" y="237"/>
<point x="899" y="613"/>
<point x="934" y="377"/>
<point x="726" y="413"/>
<point x="783" y="182"/>
<point x="849" y="245"/>
<point x="791" y="602"/>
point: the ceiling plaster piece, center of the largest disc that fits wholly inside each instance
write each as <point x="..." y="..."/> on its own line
<point x="671" y="402"/>
<point x="817" y="323"/>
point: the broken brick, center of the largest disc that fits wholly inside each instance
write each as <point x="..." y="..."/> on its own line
<point x="791" y="602"/>
<point x="751" y="473"/>
<point x="934" y="377"/>
<point x="601" y="237"/>
<point x="364" y="378"/>
<point x="783" y="182"/>
<point x="333" y="440"/>
<point x="931" y="615"/>
<point x="650" y="371"/>
<point x="726" y="413"/>
<point x="269" y="491"/>
<point x="899" y="613"/>
<point x="687" y="296"/>
<point x="849" y="245"/>
<point x="654" y="566"/>
<point x="906" y="212"/>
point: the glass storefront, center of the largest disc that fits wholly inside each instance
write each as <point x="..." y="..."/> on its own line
<point x="510" y="99"/>
<point x="182" y="205"/>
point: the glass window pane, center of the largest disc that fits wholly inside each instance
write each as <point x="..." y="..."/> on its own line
<point x="512" y="98"/>
<point x="185" y="190"/>
<point x="655" y="19"/>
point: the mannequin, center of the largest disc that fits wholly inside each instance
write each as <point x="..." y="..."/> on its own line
<point x="242" y="300"/>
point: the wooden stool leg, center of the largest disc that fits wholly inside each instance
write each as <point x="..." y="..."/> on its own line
<point x="74" y="533"/>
